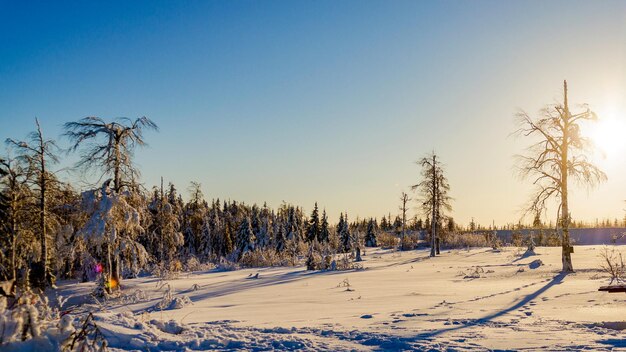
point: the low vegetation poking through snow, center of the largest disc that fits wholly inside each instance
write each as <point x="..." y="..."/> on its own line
<point x="404" y="300"/>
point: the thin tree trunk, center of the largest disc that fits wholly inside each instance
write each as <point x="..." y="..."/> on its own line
<point x="47" y="277"/>
<point x="403" y="220"/>
<point x="116" y="169"/>
<point x="565" y="242"/>
<point x="13" y="240"/>
<point x="434" y="206"/>
<point x="117" y="186"/>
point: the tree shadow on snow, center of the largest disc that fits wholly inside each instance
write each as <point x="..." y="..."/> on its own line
<point x="525" y="300"/>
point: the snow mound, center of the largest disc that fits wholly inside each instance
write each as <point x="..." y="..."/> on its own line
<point x="170" y="327"/>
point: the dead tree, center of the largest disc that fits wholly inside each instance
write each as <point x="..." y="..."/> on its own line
<point x="37" y="153"/>
<point x="404" y="198"/>
<point x="113" y="153"/>
<point x="109" y="147"/>
<point x="434" y="197"/>
<point x="559" y="153"/>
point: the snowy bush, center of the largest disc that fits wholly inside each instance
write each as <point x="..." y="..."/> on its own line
<point x="170" y="302"/>
<point x="409" y="242"/>
<point x="25" y="318"/>
<point x="227" y="265"/>
<point x="345" y="262"/>
<point x="263" y="258"/>
<point x="193" y="264"/>
<point x="387" y="240"/>
<point x="111" y="229"/>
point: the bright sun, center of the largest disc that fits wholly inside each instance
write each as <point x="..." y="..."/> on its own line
<point x="609" y="135"/>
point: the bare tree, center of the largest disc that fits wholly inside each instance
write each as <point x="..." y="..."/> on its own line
<point x="433" y="190"/>
<point x="559" y="154"/>
<point x="404" y="198"/>
<point x="109" y="146"/>
<point x="113" y="153"/>
<point x="37" y="153"/>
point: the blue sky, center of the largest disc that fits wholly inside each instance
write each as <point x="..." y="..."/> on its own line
<point x="328" y="101"/>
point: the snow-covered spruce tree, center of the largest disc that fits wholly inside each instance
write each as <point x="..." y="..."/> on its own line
<point x="195" y="222"/>
<point x="109" y="146"/>
<point x="211" y="242"/>
<point x="370" y="236"/>
<point x="245" y="237"/>
<point x="38" y="154"/>
<point x="383" y="223"/>
<point x="280" y="237"/>
<point x="324" y="234"/>
<point x="343" y="231"/>
<point x="265" y="231"/>
<point x="313" y="228"/>
<point x="255" y="223"/>
<point x="166" y="238"/>
<point x="228" y="243"/>
<point x="293" y="225"/>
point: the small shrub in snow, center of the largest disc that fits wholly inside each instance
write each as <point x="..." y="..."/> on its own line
<point x="477" y="273"/>
<point x="193" y="264"/>
<point x="227" y="265"/>
<point x="613" y="264"/>
<point x="263" y="257"/>
<point x="170" y="302"/>
<point x="135" y="297"/>
<point x="409" y="242"/>
<point x="346" y="283"/>
<point x="386" y="240"/>
<point x="87" y="338"/>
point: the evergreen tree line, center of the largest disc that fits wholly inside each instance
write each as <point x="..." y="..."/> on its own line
<point x="49" y="230"/>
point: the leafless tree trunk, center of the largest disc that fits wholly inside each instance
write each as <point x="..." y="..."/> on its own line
<point x="43" y="188"/>
<point x="433" y="223"/>
<point x="405" y="199"/>
<point x="566" y="250"/>
<point x="37" y="153"/>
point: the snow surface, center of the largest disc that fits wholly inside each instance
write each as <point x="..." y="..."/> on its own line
<point x="478" y="299"/>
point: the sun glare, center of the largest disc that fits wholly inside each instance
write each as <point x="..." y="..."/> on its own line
<point x="609" y="134"/>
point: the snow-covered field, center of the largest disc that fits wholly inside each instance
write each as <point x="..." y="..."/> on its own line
<point x="477" y="299"/>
